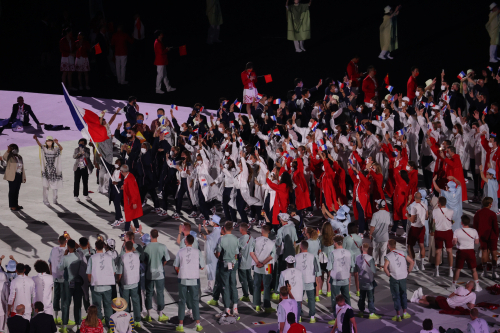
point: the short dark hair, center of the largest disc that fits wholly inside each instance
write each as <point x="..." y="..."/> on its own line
<point x="62" y="240"/>
<point x="352" y="228"/>
<point x="304" y="244"/>
<point x="442" y="201"/>
<point x="132" y="98"/>
<point x="27" y="269"/>
<point x="20" y="268"/>
<point x="427" y="324"/>
<point x="41" y="266"/>
<point x="84" y="141"/>
<point x="290" y="318"/>
<point x="71" y="244"/>
<point x="39" y="306"/>
<point x="228" y="226"/>
<point x="190" y="239"/>
<point x="413" y="68"/>
<point x="154" y="233"/>
<point x="487" y="201"/>
<point x="129" y="246"/>
<point x="465" y="220"/>
<point x="249" y="65"/>
<point x="99" y="245"/>
<point x="83" y="241"/>
<point x="297" y="80"/>
<point x="339" y="298"/>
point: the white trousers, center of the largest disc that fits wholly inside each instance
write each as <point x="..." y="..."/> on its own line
<point x="46" y="194"/>
<point x="121" y="64"/>
<point x="103" y="181"/>
<point x="161" y="76"/>
<point x="379" y="251"/>
<point x="299" y="45"/>
<point x="493" y="53"/>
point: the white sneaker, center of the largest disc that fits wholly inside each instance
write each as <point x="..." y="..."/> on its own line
<point x="160" y="195"/>
<point x="159" y="91"/>
<point x="116" y="223"/>
<point x="389" y="56"/>
<point x="170" y="89"/>
<point x="478" y="288"/>
<point x="415" y="268"/>
<point x="403" y="235"/>
<point x="494" y="276"/>
<point x="77" y="199"/>
<point x="453" y="287"/>
<point x="422" y="267"/>
<point x="46" y="203"/>
<point x="88" y="198"/>
<point x="436" y="273"/>
<point x="451" y="273"/>
<point x="414" y="297"/>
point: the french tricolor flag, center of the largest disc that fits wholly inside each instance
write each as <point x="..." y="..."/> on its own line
<point x="325" y="130"/>
<point x="165" y="131"/>
<point x="259" y="96"/>
<point x="401" y="131"/>
<point x="425" y="104"/>
<point x="224" y="102"/>
<point x="326" y="98"/>
<point x="351" y="161"/>
<point x="291" y="146"/>
<point x="461" y="75"/>
<point x="485" y="111"/>
<point x="320" y="142"/>
<point x="286" y="155"/>
<point x="238" y="104"/>
<point x="273" y="118"/>
<point x="314" y="126"/>
<point x="88" y="124"/>
<point x="323" y="147"/>
<point x="231" y="123"/>
<point x="277" y="101"/>
<point x="392" y="99"/>
<point x="258" y="145"/>
<point x="276" y="132"/>
<point x="190" y="137"/>
<point x="491" y="69"/>
<point x="379" y="118"/>
<point x="388" y="87"/>
<point x="341" y="85"/>
<point x="195" y="130"/>
<point x="492" y="134"/>
<point x="174" y="107"/>
<point x="444" y="108"/>
<point x="361" y="128"/>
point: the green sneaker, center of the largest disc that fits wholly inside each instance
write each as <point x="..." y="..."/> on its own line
<point x="332" y="322"/>
<point x="312" y="321"/>
<point x="84" y="317"/>
<point x="328" y="294"/>
<point x="137" y="324"/>
<point x="320" y="292"/>
<point x="374" y="316"/>
<point x="358" y="293"/>
<point x="179" y="328"/>
<point x="361" y="315"/>
<point x="257" y="308"/>
<point x="63" y="330"/>
<point x="58" y="321"/>
<point x="262" y="292"/>
<point x="316" y="298"/>
<point x="199" y="328"/>
<point x="163" y="319"/>
<point x="110" y="330"/>
<point x="103" y="321"/>
<point x="275" y="297"/>
<point x="71" y="322"/>
<point x="300" y="319"/>
<point x="406" y="315"/>
<point x="213" y="302"/>
<point x="396" y="318"/>
<point x="269" y="310"/>
<point x="147" y="319"/>
<point x="245" y="299"/>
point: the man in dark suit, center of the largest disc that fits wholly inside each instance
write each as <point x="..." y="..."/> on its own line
<point x="42" y="322"/>
<point x="21" y="112"/>
<point x="18" y="324"/>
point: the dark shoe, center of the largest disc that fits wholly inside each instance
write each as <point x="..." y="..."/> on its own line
<point x="19" y="207"/>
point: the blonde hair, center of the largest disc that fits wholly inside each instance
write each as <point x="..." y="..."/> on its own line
<point x="313" y="233"/>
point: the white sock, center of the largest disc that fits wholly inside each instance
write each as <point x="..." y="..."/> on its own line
<point x="437" y="267"/>
<point x="454" y="282"/>
<point x="180" y="325"/>
<point x="235" y="308"/>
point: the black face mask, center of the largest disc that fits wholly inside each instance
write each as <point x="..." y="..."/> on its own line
<point x="182" y="158"/>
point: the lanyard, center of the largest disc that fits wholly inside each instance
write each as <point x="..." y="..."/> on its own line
<point x="366" y="261"/>
<point x="467" y="233"/>
<point x="354" y="242"/>
<point x="443" y="214"/>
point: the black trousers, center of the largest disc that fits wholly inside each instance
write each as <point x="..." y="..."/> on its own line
<point x="117" y="199"/>
<point x="14" y="187"/>
<point x="84" y="175"/>
<point x="241" y="204"/>
<point x="127" y="224"/>
<point x="204" y="209"/>
<point x="477" y="178"/>
<point x="183" y="188"/>
<point x="152" y="192"/>
<point x="229" y="212"/>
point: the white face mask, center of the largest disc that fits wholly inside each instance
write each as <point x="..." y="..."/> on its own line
<point x="129" y="135"/>
<point x="171" y="153"/>
<point x="217" y="122"/>
<point x="221" y="129"/>
<point x="143" y="150"/>
<point x="403" y="103"/>
<point x="407" y="168"/>
<point x="417" y="93"/>
<point x="358" y="109"/>
<point x="226" y="165"/>
<point x="263" y="115"/>
<point x="193" y="142"/>
<point x="454" y="131"/>
<point x="310" y="124"/>
<point x="225" y="135"/>
<point x="226" y="153"/>
<point x="383" y="105"/>
<point x="253" y="131"/>
<point x="370" y="105"/>
<point x="250" y="162"/>
<point x="443" y="88"/>
<point x="117" y="166"/>
<point x="490" y="144"/>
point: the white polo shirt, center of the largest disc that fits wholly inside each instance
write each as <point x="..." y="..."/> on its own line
<point x="462" y="298"/>
<point x="442" y="218"/>
<point x="465" y="238"/>
<point x="420" y="210"/>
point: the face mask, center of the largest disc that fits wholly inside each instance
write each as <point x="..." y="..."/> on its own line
<point x="143" y="150"/>
<point x="265" y="103"/>
<point x="159" y="115"/>
<point x="129" y="135"/>
<point x="310" y="124"/>
<point x="433" y="113"/>
<point x="172" y="153"/>
<point x="407" y="168"/>
<point x="443" y="88"/>
<point x="239" y="122"/>
<point x="128" y="127"/>
<point x="336" y="90"/>
<point x="226" y="153"/>
<point x="403" y="103"/>
<point x="15" y="151"/>
<point x="454" y="131"/>
<point x="253" y="131"/>
<point x="417" y="93"/>
<point x="81" y="146"/>
<point x="358" y="109"/>
<point x="383" y="105"/>
<point x="370" y="105"/>
<point x="226" y="165"/>
<point x="193" y="142"/>
<point x="225" y="135"/>
<point x="221" y="129"/>
<point x="490" y="144"/>
<point x="139" y="121"/>
<point x="250" y="162"/>
<point x="263" y="115"/>
<point x="217" y="122"/>
<point x="117" y="166"/>
<point x="195" y="122"/>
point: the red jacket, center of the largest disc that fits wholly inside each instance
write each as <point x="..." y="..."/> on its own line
<point x="413" y="185"/>
<point x="390" y="185"/>
<point x="496" y="159"/>
<point x="245" y="79"/>
<point x="411" y="88"/>
<point x="280" y="200"/>
<point x="83" y="50"/>
<point x="440" y="167"/>
<point x="66" y="47"/>
<point x="339" y="184"/>
<point x="369" y="88"/>
<point x="400" y="198"/>
<point x="131" y="196"/>
<point x="456" y="170"/>
<point x="485" y="222"/>
<point x="160" y="54"/>
<point x="327" y="187"/>
<point x="353" y="74"/>
<point x="119" y="41"/>
<point x="302" y="199"/>
<point x="363" y="193"/>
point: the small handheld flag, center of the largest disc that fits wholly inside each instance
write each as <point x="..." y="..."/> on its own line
<point x="276" y="132"/>
<point x="379" y="118"/>
<point x="291" y="146"/>
<point x="491" y="69"/>
<point x="97" y="48"/>
<point x="320" y="142"/>
<point x="259" y="96"/>
<point x="341" y="85"/>
<point x="277" y="101"/>
<point x="402" y="131"/>
<point x="203" y="182"/>
<point x="388" y="87"/>
<point x="323" y="147"/>
<point x="174" y="107"/>
<point x="195" y="130"/>
<point x="231" y="123"/>
<point x="273" y="118"/>
<point x="182" y="50"/>
<point x="268" y="78"/>
<point x="314" y="126"/>
<point x="224" y="102"/>
<point x="351" y="161"/>
<point x="492" y="134"/>
<point x="165" y="131"/>
<point x="485" y="111"/>
<point x="461" y="75"/>
<point x="286" y="155"/>
<point x="361" y="128"/>
<point x="326" y="98"/>
<point x="444" y="108"/>
<point x="237" y="104"/>
<point x="190" y="137"/>
<point x="258" y="145"/>
<point x="201" y="109"/>
<point x="141" y="137"/>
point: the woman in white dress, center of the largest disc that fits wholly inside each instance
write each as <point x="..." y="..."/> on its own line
<point x="51" y="167"/>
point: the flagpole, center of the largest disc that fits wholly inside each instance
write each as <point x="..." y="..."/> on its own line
<point x="92" y="140"/>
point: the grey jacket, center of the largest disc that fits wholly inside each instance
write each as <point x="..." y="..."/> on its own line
<point x="77" y="154"/>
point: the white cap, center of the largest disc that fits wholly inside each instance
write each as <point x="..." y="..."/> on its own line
<point x="290" y="259"/>
<point x="493" y="5"/>
<point x="380" y="202"/>
<point x="111" y="243"/>
<point x="428" y="82"/>
<point x="387" y="9"/>
<point x="491" y="171"/>
<point x="284" y="216"/>
<point x="406" y="99"/>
